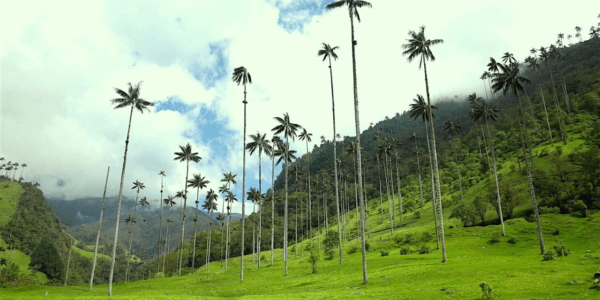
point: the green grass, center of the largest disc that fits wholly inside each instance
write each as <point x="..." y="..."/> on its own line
<point x="89" y="254"/>
<point x="10" y="192"/>
<point x="514" y="270"/>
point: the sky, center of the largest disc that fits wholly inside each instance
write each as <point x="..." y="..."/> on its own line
<point x="62" y="60"/>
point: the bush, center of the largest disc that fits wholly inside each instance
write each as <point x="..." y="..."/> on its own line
<point x="560" y="249"/>
<point x="543" y="210"/>
<point x="405" y="250"/>
<point x="384" y="253"/>
<point x="45" y="259"/>
<point x="549" y="255"/>
<point x="512" y="240"/>
<point x="314" y="257"/>
<point x="578" y="206"/>
<point x="424" y="249"/>
<point x="353" y="249"/>
<point x="556" y="232"/>
<point x="418" y="214"/>
<point x="409" y="238"/>
<point x="486" y="289"/>
<point x="427" y="236"/>
<point x="495" y="237"/>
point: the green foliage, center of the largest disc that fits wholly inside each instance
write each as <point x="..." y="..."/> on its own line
<point x="495" y="238"/>
<point x="426" y="236"/>
<point x="548" y="210"/>
<point x="423" y="249"/>
<point x="577" y="206"/>
<point x="384" y="253"/>
<point x="331" y="241"/>
<point x="314" y="257"/>
<point x="561" y="250"/>
<point x="486" y="290"/>
<point x="405" y="250"/>
<point x="45" y="259"/>
<point x="549" y="255"/>
<point x="512" y="240"/>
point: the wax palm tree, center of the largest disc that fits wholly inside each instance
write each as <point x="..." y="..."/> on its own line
<point x="305" y="136"/>
<point x="415" y="138"/>
<point x="229" y="179"/>
<point x="209" y="205"/>
<point x="533" y="63"/>
<point x="199" y="182"/>
<point x="186" y="155"/>
<point x="130" y="220"/>
<point x="99" y="230"/>
<point x="453" y="129"/>
<point x="578" y="34"/>
<point x="263" y="145"/>
<point x="327" y="52"/>
<point x="511" y="80"/>
<point x="351" y="151"/>
<point x="23" y="166"/>
<point x="160" y="238"/>
<point x="137" y="185"/>
<point x="419" y="46"/>
<point x="289" y="130"/>
<point x="223" y="190"/>
<point x="594" y="33"/>
<point x="241" y="75"/>
<point x="508" y="58"/>
<point x="277" y="143"/>
<point x="570" y="37"/>
<point x="480" y="111"/>
<point x="353" y="6"/>
<point x="130" y="98"/>
<point x="230" y="198"/>
<point x="169" y="202"/>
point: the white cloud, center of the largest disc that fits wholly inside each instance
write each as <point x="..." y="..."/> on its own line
<point x="61" y="61"/>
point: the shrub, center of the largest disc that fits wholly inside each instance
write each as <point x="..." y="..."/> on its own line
<point x="495" y="237"/>
<point x="409" y="238"/>
<point x="367" y="246"/>
<point x="314" y="257"/>
<point x="405" y="250"/>
<point x="45" y="259"/>
<point x="418" y="214"/>
<point x="427" y="236"/>
<point x="560" y="249"/>
<point x="384" y="253"/>
<point x="543" y="210"/>
<point x="578" y="206"/>
<point x="486" y="289"/>
<point x="549" y="255"/>
<point x="512" y="240"/>
<point x="353" y="249"/>
<point x="558" y="149"/>
<point x="556" y="232"/>
<point x="423" y="249"/>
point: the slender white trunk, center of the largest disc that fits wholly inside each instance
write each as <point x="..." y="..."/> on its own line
<point x="99" y="230"/>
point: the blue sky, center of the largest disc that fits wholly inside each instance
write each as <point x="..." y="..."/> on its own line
<point x="63" y="76"/>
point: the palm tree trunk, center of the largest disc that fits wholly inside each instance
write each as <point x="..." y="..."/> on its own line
<point x="187" y="169"/>
<point x="69" y="261"/>
<point x="462" y="199"/>
<point x="273" y="207"/>
<point x="99" y="230"/>
<point x="433" y="196"/>
<point x="435" y="169"/>
<point x="337" y="199"/>
<point x="259" y="208"/>
<point x="285" y="221"/>
<point x="208" y="240"/>
<point x="195" y="228"/>
<point x="118" y="218"/>
<point x="399" y="190"/>
<point x="166" y="244"/>
<point x="160" y="224"/>
<point x="387" y="187"/>
<point x="356" y="199"/>
<point x="380" y="197"/>
<point x="243" y="191"/>
<point x="496" y="177"/>
<point x="419" y="170"/>
<point x="358" y="156"/>
<point x="393" y="204"/>
<point x="558" y="109"/>
<point x="546" y="112"/>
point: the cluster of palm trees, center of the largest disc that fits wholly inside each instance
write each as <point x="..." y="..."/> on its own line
<point x="9" y="167"/>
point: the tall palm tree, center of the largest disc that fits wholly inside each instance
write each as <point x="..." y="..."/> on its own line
<point x="23" y="166"/>
<point x="130" y="220"/>
<point x="305" y="136"/>
<point x="328" y="52"/>
<point x="99" y="230"/>
<point x="351" y="151"/>
<point x="186" y="155"/>
<point x="241" y="75"/>
<point x="256" y="197"/>
<point x="533" y="63"/>
<point x="418" y="46"/>
<point x="480" y="111"/>
<point x="199" y="182"/>
<point x="137" y="185"/>
<point x="169" y="202"/>
<point x="353" y="6"/>
<point x="263" y="145"/>
<point x="289" y="130"/>
<point x="570" y="37"/>
<point x="229" y="179"/>
<point x="510" y="79"/>
<point x="130" y="98"/>
<point x="209" y="205"/>
<point x="578" y="34"/>
<point x="414" y="137"/>
<point x="162" y="176"/>
<point x="277" y="144"/>
<point x="454" y="129"/>
<point x="546" y="55"/>
<point x="230" y="198"/>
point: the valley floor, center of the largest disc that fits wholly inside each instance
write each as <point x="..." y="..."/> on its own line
<point x="515" y="271"/>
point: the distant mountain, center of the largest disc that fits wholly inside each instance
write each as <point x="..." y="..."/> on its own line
<point x="82" y="215"/>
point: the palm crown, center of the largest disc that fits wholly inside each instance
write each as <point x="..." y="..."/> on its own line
<point x="328" y="52"/>
<point x="131" y="98"/>
<point x="419" y="45"/>
<point x="353" y="6"/>
<point x="241" y="75"/>
<point x="286" y="126"/>
<point x="419" y="109"/>
<point x="259" y="142"/>
<point x="186" y="154"/>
